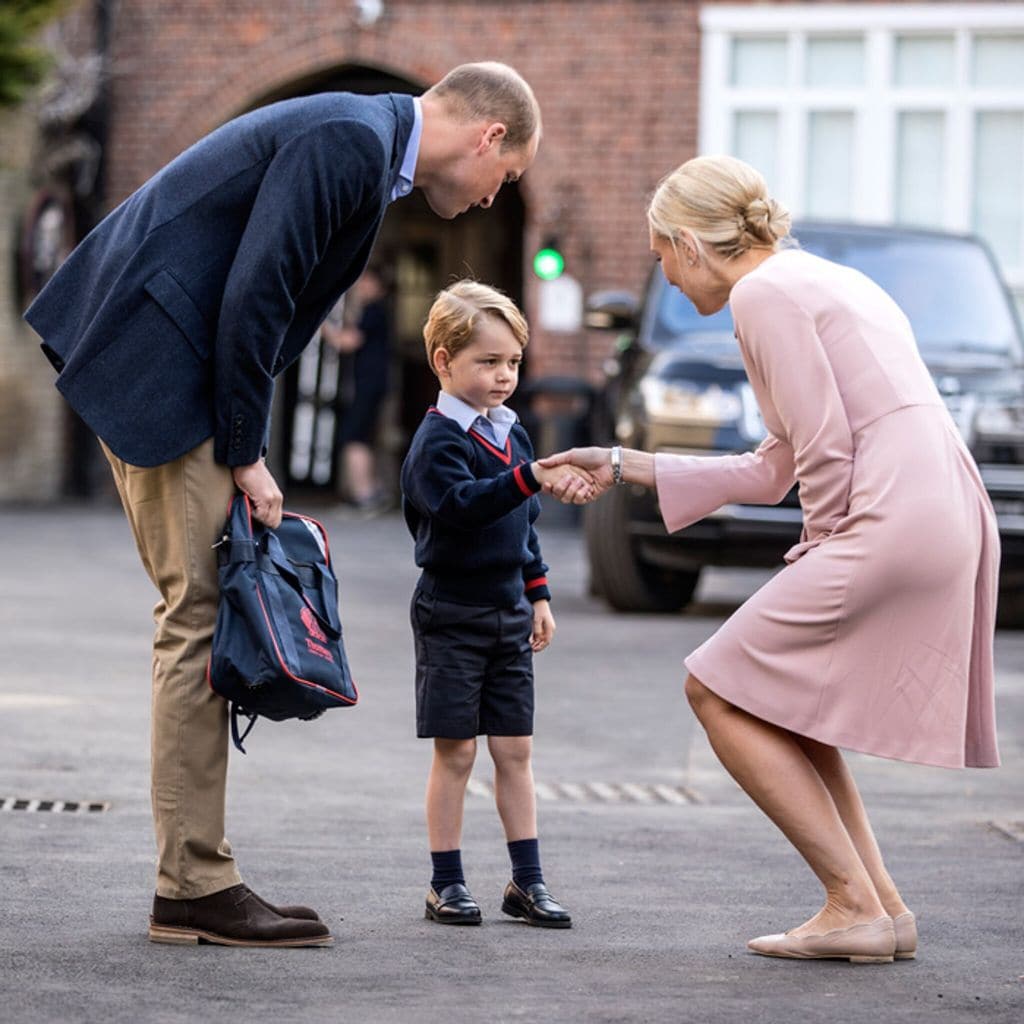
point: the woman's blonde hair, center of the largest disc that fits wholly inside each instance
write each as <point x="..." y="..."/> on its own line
<point x="456" y="312"/>
<point x="723" y="201"/>
<point x="492" y="91"/>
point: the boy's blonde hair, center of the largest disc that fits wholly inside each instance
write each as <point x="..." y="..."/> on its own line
<point x="453" y="318"/>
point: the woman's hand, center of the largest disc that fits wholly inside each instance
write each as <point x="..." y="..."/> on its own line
<point x="595" y="461"/>
<point x="571" y="485"/>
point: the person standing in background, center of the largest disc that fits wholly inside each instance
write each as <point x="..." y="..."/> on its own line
<point x="367" y="344"/>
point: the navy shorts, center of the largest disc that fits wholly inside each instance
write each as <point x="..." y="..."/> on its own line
<point x="474" y="668"/>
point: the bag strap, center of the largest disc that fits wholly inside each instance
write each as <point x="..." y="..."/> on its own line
<point x="275" y="553"/>
<point x="235" y="738"/>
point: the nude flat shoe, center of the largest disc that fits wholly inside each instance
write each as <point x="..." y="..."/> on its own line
<point x="873" y="943"/>
<point x="906" y="936"/>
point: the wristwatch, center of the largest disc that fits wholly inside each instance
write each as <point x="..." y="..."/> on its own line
<point x="616" y="460"/>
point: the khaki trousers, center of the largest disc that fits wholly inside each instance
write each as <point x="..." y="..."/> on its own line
<point x="176" y="512"/>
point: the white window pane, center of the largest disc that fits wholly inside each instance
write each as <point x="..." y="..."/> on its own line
<point x="920" y="168"/>
<point x="755" y="135"/>
<point x="999" y="183"/>
<point x="924" y="61"/>
<point x="998" y="60"/>
<point x="759" y="62"/>
<point x="835" y="61"/>
<point x="829" y="164"/>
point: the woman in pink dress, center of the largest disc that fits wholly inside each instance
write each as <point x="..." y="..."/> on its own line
<point x="877" y="635"/>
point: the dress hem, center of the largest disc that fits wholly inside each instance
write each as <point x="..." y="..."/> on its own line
<point x="819" y="735"/>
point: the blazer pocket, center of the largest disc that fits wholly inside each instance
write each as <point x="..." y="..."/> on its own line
<point x="178" y="305"/>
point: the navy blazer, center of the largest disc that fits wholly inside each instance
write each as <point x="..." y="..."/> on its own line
<point x="170" y="320"/>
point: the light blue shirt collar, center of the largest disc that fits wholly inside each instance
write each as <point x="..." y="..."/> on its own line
<point x="495" y="426"/>
<point x="407" y="172"/>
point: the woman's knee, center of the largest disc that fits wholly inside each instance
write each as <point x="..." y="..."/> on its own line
<point x="701" y="699"/>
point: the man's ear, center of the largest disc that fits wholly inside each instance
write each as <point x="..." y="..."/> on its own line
<point x="493" y="135"/>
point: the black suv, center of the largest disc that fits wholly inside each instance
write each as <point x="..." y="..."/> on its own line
<point x="677" y="384"/>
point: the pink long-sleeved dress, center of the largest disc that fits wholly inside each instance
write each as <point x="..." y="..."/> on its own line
<point x="877" y="635"/>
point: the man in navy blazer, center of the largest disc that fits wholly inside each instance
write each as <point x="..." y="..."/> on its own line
<point x="167" y="326"/>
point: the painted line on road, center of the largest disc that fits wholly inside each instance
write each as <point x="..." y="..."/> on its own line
<point x="27" y="804"/>
<point x="647" y="794"/>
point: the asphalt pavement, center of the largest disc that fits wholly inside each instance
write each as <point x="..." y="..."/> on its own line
<point x="667" y="867"/>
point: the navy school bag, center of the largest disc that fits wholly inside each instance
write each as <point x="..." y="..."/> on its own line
<point x="277" y="645"/>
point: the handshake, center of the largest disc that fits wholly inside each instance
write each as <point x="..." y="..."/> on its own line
<point x="576" y="476"/>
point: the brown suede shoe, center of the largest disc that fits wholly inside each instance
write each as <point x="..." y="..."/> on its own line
<point x="231" y="917"/>
<point x="296" y="910"/>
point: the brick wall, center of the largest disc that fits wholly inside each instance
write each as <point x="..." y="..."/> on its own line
<point x="31" y="411"/>
<point x="617" y="83"/>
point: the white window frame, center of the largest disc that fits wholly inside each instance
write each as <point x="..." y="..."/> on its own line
<point x="876" y="105"/>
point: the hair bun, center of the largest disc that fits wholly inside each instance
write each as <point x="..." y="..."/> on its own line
<point x="766" y="220"/>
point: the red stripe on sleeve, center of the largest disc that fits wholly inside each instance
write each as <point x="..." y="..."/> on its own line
<point x="518" y="474"/>
<point x="540" y="581"/>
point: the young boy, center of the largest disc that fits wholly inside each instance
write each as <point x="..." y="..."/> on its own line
<point x="480" y="608"/>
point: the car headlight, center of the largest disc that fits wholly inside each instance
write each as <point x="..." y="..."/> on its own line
<point x="685" y="402"/>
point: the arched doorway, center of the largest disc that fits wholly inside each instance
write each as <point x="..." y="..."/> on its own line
<point x="422" y="253"/>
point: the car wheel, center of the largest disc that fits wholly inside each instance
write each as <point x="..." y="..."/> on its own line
<point x="617" y="574"/>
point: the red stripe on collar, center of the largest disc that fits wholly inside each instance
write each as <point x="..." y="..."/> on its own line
<point x="505" y="456"/>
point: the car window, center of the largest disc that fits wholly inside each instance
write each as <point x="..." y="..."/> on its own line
<point x="946" y="286"/>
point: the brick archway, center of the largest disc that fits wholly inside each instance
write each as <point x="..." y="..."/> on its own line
<point x="277" y="63"/>
<point x="271" y="66"/>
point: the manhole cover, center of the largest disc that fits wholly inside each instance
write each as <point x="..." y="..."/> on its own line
<point x="17" y="803"/>
<point x="600" y="792"/>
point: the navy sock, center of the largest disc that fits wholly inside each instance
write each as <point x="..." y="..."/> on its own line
<point x="447" y="869"/>
<point x="525" y="854"/>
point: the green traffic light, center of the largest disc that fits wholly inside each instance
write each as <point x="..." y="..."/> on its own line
<point x="548" y="264"/>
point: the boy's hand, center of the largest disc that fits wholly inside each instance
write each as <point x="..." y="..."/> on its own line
<point x="543" y="626"/>
<point x="570" y="484"/>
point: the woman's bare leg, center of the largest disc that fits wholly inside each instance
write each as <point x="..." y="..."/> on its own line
<point x="834" y="772"/>
<point x="779" y="777"/>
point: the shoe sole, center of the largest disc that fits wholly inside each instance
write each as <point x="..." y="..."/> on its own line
<point x="431" y="916"/>
<point x="195" y="937"/>
<point x="513" y="911"/>
<point x="907" y="956"/>
<point x="853" y="958"/>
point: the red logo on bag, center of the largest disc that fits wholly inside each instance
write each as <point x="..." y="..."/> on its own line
<point x="312" y="626"/>
<point x="320" y="652"/>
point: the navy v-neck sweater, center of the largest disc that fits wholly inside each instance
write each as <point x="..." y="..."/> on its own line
<point x="471" y="508"/>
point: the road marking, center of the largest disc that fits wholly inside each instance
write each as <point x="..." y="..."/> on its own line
<point x="29" y="804"/>
<point x="647" y="794"/>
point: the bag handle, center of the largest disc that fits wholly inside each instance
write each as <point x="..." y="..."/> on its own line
<point x="332" y="623"/>
<point x="241" y="510"/>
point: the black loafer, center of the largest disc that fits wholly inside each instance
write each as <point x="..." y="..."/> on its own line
<point x="536" y="906"/>
<point x="453" y="905"/>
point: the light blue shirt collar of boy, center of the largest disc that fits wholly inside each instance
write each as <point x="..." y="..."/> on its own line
<point x="495" y="426"/>
<point x="407" y="172"/>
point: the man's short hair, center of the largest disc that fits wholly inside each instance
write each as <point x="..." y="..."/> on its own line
<point x="457" y="310"/>
<point x="494" y="92"/>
